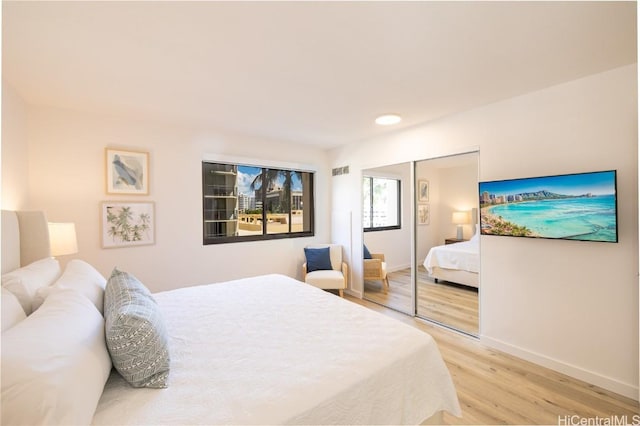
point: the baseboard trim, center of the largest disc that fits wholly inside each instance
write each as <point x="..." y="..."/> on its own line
<point x="397" y="268"/>
<point x="354" y="293"/>
<point x="611" y="384"/>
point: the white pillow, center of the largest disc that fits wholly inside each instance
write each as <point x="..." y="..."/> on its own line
<point x="12" y="312"/>
<point x="476" y="236"/>
<point x="55" y="363"/>
<point x="78" y="275"/>
<point x="24" y="282"/>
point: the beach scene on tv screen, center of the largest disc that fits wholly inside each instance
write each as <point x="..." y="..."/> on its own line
<point x="576" y="207"/>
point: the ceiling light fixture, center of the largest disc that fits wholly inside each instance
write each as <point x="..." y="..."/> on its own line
<point x="388" y="119"/>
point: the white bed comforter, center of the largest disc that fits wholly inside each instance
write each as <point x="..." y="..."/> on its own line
<point x="272" y="350"/>
<point x="462" y="256"/>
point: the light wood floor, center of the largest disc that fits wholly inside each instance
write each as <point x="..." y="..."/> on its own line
<point x="497" y="388"/>
<point x="456" y="306"/>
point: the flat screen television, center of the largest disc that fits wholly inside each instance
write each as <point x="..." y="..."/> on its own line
<point x="579" y="206"/>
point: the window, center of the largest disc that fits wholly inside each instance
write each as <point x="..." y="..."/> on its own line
<point x="249" y="203"/>
<point x="381" y="207"/>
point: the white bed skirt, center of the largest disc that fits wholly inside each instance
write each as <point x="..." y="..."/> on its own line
<point x="456" y="276"/>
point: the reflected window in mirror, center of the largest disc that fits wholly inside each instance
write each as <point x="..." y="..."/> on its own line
<point x="381" y="203"/>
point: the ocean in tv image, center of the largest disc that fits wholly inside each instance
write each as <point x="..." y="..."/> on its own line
<point x="577" y="207"/>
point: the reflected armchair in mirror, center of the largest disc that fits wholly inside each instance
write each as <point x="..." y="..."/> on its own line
<point x="376" y="269"/>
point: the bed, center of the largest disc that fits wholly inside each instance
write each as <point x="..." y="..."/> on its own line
<point x="457" y="263"/>
<point x="260" y="350"/>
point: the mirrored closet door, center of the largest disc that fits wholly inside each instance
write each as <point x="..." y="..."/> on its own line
<point x="447" y="246"/>
<point x="387" y="235"/>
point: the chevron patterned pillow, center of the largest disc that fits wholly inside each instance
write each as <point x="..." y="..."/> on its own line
<point x="136" y="335"/>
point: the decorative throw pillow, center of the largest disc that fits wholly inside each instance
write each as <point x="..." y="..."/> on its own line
<point x="136" y="335"/>
<point x="318" y="259"/>
<point x="367" y="253"/>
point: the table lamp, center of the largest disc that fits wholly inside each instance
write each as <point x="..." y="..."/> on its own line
<point x="62" y="239"/>
<point x="460" y="218"/>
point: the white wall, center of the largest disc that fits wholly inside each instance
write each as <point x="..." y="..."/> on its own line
<point x="428" y="235"/>
<point x="15" y="163"/>
<point x="458" y="192"/>
<point x="569" y="305"/>
<point x="66" y="177"/>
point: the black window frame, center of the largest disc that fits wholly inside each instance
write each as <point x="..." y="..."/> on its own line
<point x="263" y="195"/>
<point x="383" y="228"/>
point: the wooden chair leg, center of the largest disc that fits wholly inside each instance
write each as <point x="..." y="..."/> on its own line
<point x="386" y="284"/>
<point x="341" y="292"/>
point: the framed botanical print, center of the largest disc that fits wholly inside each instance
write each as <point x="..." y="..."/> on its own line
<point x="423" y="214"/>
<point x="127" y="172"/>
<point x="127" y="223"/>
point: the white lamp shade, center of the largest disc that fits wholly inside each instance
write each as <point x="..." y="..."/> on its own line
<point x="460" y="218"/>
<point x="62" y="239"/>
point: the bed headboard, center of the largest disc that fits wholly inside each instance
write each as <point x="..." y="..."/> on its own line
<point x="25" y="238"/>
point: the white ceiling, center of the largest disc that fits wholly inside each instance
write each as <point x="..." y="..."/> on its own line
<point x="308" y="72"/>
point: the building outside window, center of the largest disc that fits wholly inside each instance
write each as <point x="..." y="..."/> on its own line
<point x="248" y="203"/>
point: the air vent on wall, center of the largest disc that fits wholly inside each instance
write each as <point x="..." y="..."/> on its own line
<point x="340" y="171"/>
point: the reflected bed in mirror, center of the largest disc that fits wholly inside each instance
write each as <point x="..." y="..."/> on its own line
<point x="458" y="262"/>
<point x="447" y="247"/>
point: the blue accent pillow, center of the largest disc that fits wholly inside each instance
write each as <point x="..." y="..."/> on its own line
<point x="318" y="259"/>
<point x="367" y="254"/>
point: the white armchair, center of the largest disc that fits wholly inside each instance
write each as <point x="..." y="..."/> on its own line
<point x="328" y="279"/>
